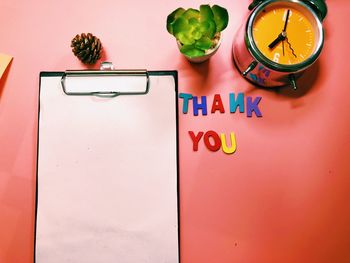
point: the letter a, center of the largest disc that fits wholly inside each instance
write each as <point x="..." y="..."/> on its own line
<point x="217" y="104"/>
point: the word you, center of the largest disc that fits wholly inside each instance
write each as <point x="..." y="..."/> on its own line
<point x="213" y="142"/>
<point x="249" y="105"/>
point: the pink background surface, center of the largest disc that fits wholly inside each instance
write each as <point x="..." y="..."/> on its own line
<point x="282" y="197"/>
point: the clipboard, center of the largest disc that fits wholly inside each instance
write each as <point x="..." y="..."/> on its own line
<point x="107" y="167"/>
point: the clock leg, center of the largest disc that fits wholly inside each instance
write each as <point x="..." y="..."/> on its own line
<point x="250" y="68"/>
<point x="293" y="82"/>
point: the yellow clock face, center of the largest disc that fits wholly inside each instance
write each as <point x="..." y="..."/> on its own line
<point x="285" y="33"/>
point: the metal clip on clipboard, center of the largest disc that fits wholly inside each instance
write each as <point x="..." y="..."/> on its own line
<point x="106" y="69"/>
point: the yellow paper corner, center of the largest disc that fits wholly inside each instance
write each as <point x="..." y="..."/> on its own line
<point x="4" y="62"/>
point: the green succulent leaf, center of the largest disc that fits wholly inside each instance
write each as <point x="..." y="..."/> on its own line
<point x="208" y="28"/>
<point x="191" y="51"/>
<point x="185" y="38"/>
<point x="196" y="33"/>
<point x="182" y="30"/>
<point x="180" y="25"/>
<point x="220" y="17"/>
<point x="172" y="17"/>
<point x="195" y="30"/>
<point x="191" y="13"/>
<point x="193" y="21"/>
<point x="206" y="13"/>
<point x="204" y="43"/>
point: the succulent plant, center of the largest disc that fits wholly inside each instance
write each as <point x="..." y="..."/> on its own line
<point x="197" y="30"/>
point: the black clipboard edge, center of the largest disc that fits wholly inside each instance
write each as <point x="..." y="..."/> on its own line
<point x="173" y="73"/>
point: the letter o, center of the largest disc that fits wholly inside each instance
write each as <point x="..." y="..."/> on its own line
<point x="217" y="142"/>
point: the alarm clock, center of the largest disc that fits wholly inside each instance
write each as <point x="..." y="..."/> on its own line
<point x="279" y="41"/>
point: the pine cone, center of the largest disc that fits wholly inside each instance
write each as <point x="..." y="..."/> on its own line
<point x="87" y="48"/>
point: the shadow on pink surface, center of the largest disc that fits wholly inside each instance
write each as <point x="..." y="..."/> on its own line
<point x="305" y="83"/>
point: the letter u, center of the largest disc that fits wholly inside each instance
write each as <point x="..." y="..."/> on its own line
<point x="225" y="148"/>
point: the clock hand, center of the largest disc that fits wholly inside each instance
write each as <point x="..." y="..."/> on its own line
<point x="281" y="37"/>
<point x="283" y="46"/>
<point x="286" y="23"/>
<point x="290" y="46"/>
